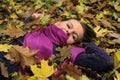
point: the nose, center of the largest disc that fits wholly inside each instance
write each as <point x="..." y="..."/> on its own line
<point x="69" y="31"/>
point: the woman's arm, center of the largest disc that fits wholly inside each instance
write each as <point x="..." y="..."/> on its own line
<point x="33" y="16"/>
<point x="95" y="58"/>
<point x="29" y="19"/>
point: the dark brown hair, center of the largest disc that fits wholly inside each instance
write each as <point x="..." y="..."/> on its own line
<point x="89" y="34"/>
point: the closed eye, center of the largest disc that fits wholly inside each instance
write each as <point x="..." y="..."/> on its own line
<point x="74" y="36"/>
<point x="69" y="27"/>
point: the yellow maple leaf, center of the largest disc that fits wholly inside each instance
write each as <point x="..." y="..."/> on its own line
<point x="1" y="21"/>
<point x="116" y="57"/>
<point x="108" y="50"/>
<point x="59" y="4"/>
<point x="117" y="75"/>
<point x="100" y="15"/>
<point x="117" y="6"/>
<point x="14" y="16"/>
<point x="100" y="32"/>
<point x="44" y="71"/>
<point x="5" y="47"/>
<point x="80" y="9"/>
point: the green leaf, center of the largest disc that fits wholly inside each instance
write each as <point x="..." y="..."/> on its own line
<point x="38" y="4"/>
<point x="84" y="77"/>
<point x="44" y="19"/>
<point x="118" y="20"/>
<point x="69" y="77"/>
<point x="118" y="1"/>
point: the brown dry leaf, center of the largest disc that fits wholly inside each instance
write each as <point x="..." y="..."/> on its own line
<point x="116" y="24"/>
<point x="3" y="70"/>
<point x="13" y="31"/>
<point x="34" y="25"/>
<point x="116" y="36"/>
<point x="68" y="69"/>
<point x="93" y="1"/>
<point x="26" y="55"/>
<point x="58" y="77"/>
<point x="52" y="10"/>
<point x="95" y="22"/>
<point x="22" y="55"/>
<point x="102" y="5"/>
<point x="106" y="23"/>
<point x="76" y="72"/>
<point x="13" y="55"/>
<point x="72" y="70"/>
<point x="88" y="15"/>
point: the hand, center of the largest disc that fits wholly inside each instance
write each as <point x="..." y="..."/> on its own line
<point x="36" y="15"/>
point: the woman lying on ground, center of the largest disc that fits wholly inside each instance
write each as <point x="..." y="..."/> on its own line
<point x="67" y="32"/>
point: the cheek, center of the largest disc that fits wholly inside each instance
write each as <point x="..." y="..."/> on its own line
<point x="70" y="40"/>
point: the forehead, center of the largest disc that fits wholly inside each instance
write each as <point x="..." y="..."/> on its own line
<point x="74" y="21"/>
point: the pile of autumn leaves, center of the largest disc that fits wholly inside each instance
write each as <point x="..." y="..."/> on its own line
<point x="102" y="16"/>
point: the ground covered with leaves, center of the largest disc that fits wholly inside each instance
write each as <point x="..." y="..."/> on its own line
<point x="101" y="15"/>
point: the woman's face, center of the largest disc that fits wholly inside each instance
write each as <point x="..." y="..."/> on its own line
<point x="72" y="28"/>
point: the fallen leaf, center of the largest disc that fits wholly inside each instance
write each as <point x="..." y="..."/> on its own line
<point x="108" y="50"/>
<point x="27" y="55"/>
<point x="25" y="51"/>
<point x="13" y="31"/>
<point x="116" y="37"/>
<point x="69" y="77"/>
<point x="102" y="5"/>
<point x="117" y="6"/>
<point x="84" y="77"/>
<point x="13" y="55"/>
<point x="80" y="9"/>
<point x="75" y="71"/>
<point x="23" y="55"/>
<point x="5" y="47"/>
<point x="93" y="1"/>
<point x="72" y="70"/>
<point x="100" y="32"/>
<point x="117" y="75"/>
<point x="14" y="16"/>
<point x="59" y="4"/>
<point x="3" y="70"/>
<point x="116" y="58"/>
<point x="105" y="23"/>
<point x="43" y="71"/>
<point x="88" y="15"/>
<point x="64" y="52"/>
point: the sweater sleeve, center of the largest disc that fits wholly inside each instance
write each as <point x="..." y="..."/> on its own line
<point x="27" y="20"/>
<point x="95" y="58"/>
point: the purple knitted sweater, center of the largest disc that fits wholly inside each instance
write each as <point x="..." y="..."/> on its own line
<point x="44" y="39"/>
